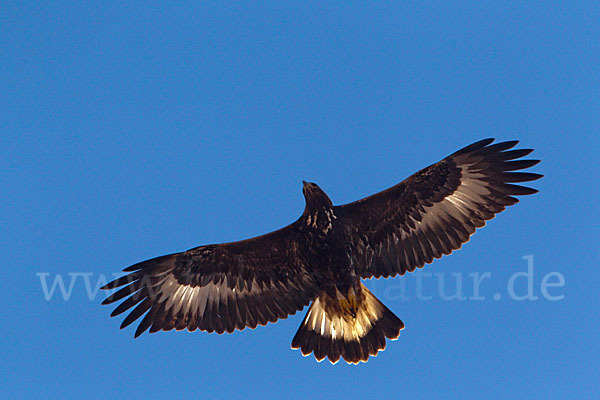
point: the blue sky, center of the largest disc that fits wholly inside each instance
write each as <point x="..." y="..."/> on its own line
<point x="133" y="130"/>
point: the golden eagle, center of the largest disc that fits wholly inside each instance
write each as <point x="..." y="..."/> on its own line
<point x="322" y="257"/>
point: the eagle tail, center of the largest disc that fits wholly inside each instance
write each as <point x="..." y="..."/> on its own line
<point x="334" y="328"/>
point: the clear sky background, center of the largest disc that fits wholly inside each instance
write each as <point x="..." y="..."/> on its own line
<point x="128" y="131"/>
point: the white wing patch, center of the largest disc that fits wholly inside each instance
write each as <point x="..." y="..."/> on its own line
<point x="186" y="299"/>
<point x="465" y="200"/>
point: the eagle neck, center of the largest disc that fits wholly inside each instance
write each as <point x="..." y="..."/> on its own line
<point x="320" y="218"/>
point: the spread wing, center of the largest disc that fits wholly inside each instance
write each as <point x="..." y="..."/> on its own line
<point x="435" y="210"/>
<point x="217" y="287"/>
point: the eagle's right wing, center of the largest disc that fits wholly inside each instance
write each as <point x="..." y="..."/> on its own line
<point x="218" y="287"/>
<point x="435" y="210"/>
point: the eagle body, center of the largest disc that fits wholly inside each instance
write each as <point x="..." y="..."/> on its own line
<point x="321" y="258"/>
<point x="326" y="241"/>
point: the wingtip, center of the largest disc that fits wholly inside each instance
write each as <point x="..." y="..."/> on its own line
<point x="537" y="176"/>
<point x="527" y="152"/>
<point x="150" y="263"/>
<point x="474" y="146"/>
<point x="511" y="143"/>
<point x="483" y="142"/>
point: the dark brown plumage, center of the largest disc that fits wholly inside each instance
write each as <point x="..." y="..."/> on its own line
<point x="322" y="257"/>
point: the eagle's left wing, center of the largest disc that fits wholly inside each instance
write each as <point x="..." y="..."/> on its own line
<point x="218" y="287"/>
<point x="435" y="210"/>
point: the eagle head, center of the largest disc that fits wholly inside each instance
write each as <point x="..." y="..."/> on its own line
<point x="315" y="197"/>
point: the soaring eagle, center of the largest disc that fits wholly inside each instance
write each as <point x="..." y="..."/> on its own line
<point x="321" y="258"/>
